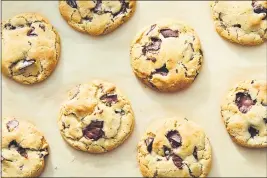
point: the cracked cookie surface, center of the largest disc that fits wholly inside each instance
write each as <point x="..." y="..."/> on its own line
<point x="243" y="22"/>
<point x="174" y="147"/>
<point x="31" y="48"/>
<point x="23" y="149"/>
<point x="166" y="56"/>
<point x="96" y="17"/>
<point x="244" y="113"/>
<point x="96" y="118"/>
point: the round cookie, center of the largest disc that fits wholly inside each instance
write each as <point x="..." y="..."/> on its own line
<point x="23" y="149"/>
<point x="243" y="22"/>
<point x="166" y="56"/>
<point x="174" y="147"/>
<point x="244" y="113"/>
<point x="96" y="17"/>
<point x="96" y="118"/>
<point x="31" y="48"/>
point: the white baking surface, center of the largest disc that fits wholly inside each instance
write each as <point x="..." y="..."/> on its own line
<point x="85" y="58"/>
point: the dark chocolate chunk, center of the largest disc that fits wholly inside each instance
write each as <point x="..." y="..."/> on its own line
<point x="123" y="9"/>
<point x="8" y="26"/>
<point x="120" y="111"/>
<point x="237" y="25"/>
<point x="11" y="125"/>
<point x="169" y="33"/>
<point x="109" y="98"/>
<point x="258" y="8"/>
<point x="153" y="46"/>
<point x="72" y="3"/>
<point x="97" y="7"/>
<point x="244" y="102"/>
<point x="149" y="143"/>
<point x="177" y="161"/>
<point x="153" y="59"/>
<point x="162" y="71"/>
<point x="31" y="32"/>
<point x="195" y="153"/>
<point x="253" y="132"/>
<point x="20" y="150"/>
<point x="174" y="138"/>
<point x="42" y="26"/>
<point x="94" y="130"/>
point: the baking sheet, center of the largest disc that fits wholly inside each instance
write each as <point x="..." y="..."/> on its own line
<point x="85" y="58"/>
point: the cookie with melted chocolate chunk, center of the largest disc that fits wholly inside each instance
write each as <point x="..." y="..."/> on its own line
<point x="242" y="22"/>
<point x="23" y="150"/>
<point x="166" y="56"/>
<point x="96" y="17"/>
<point x="96" y="117"/>
<point x="244" y="113"/>
<point x="31" y="48"/>
<point x="174" y="147"/>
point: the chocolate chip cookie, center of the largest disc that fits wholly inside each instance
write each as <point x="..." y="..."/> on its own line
<point x="174" y="147"/>
<point x="243" y="22"/>
<point x="30" y="48"/>
<point x="96" y="17"/>
<point x="166" y="56"/>
<point x="96" y="118"/>
<point x="23" y="149"/>
<point x="244" y="113"/>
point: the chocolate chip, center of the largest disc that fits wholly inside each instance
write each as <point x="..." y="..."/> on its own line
<point x="237" y="25"/>
<point x="220" y="16"/>
<point x="149" y="143"/>
<point x="244" y="102"/>
<point x="72" y="3"/>
<point x="120" y="111"/>
<point x="20" y="150"/>
<point x="177" y="161"/>
<point x="195" y="153"/>
<point x="11" y="125"/>
<point x="258" y="8"/>
<point x="109" y="98"/>
<point x="201" y="52"/>
<point x="8" y="26"/>
<point x="167" y="152"/>
<point x="42" y="26"/>
<point x="88" y="18"/>
<point x="31" y="32"/>
<point x="151" y="28"/>
<point x="265" y="120"/>
<point x="162" y="71"/>
<point x="252" y="82"/>
<point x="97" y="7"/>
<point x="174" y="138"/>
<point x="253" y="132"/>
<point x="124" y="7"/>
<point x="153" y="59"/>
<point x="94" y="130"/>
<point x="169" y="33"/>
<point x="153" y="46"/>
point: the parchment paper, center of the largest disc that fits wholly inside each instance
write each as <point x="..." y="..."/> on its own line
<point x="85" y="58"/>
